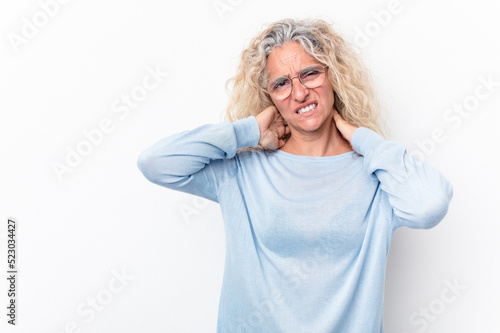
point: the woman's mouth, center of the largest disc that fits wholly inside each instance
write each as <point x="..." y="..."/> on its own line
<point x="307" y="109"/>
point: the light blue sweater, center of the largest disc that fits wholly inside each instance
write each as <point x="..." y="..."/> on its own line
<point x="306" y="237"/>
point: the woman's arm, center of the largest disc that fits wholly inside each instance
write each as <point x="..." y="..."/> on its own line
<point x="198" y="161"/>
<point x="418" y="193"/>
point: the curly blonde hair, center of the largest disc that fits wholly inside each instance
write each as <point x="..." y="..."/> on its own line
<point x="355" y="98"/>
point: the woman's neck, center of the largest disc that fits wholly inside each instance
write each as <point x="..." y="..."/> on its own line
<point x="326" y="142"/>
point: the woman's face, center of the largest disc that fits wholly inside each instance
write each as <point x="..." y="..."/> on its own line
<point x="289" y="60"/>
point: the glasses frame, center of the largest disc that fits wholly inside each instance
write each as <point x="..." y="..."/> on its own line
<point x="291" y="81"/>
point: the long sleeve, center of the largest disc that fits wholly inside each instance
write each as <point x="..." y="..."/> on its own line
<point x="418" y="193"/>
<point x="199" y="161"/>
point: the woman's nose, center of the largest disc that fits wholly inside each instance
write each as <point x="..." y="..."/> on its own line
<point x="299" y="91"/>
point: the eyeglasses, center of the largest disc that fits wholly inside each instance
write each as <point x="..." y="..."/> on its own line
<point x="311" y="77"/>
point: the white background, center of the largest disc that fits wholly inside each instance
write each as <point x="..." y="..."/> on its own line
<point x="103" y="218"/>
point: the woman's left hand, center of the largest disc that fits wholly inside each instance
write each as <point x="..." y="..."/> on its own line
<point x="345" y="128"/>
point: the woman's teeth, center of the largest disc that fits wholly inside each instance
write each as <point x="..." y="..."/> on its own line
<point x="307" y="108"/>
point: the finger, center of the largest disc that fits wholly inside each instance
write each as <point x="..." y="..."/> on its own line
<point x="283" y="128"/>
<point x="279" y="116"/>
<point x="281" y="143"/>
<point x="336" y="115"/>
<point x="287" y="129"/>
<point x="270" y="112"/>
<point x="274" y="109"/>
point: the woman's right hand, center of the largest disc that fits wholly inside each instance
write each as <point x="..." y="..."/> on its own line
<point x="272" y="127"/>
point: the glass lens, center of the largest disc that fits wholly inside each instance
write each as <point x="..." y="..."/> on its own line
<point x="279" y="87"/>
<point x="312" y="76"/>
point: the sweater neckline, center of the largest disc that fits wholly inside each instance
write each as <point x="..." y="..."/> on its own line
<point x="295" y="157"/>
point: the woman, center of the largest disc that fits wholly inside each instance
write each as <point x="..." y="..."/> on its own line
<point x="310" y="210"/>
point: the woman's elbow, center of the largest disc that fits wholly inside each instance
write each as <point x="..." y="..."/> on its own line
<point x="160" y="169"/>
<point x="145" y="163"/>
<point x="432" y="209"/>
<point x="433" y="214"/>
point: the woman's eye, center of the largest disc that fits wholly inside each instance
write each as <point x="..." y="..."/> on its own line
<point x="280" y="84"/>
<point x="310" y="73"/>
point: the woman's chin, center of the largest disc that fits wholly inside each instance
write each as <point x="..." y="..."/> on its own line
<point x="311" y="125"/>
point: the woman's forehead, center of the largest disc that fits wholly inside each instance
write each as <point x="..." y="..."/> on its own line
<point x="288" y="59"/>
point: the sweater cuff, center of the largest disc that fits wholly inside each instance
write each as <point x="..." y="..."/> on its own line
<point x="247" y="132"/>
<point x="364" y="140"/>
